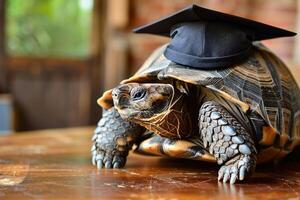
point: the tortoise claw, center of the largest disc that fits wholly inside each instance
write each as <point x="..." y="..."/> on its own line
<point x="116" y="165"/>
<point x="221" y="173"/>
<point x="226" y="176"/>
<point x="118" y="161"/>
<point x="233" y="178"/>
<point x="242" y="173"/>
<point x="108" y="164"/>
<point x="237" y="170"/>
<point x="99" y="164"/>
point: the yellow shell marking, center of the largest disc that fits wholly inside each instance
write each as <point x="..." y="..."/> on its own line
<point x="267" y="155"/>
<point x="268" y="136"/>
<point x="175" y="150"/>
<point x="106" y="100"/>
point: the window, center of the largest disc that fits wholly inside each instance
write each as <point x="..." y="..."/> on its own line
<point x="52" y="28"/>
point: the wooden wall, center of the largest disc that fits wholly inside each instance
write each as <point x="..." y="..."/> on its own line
<point x="54" y="92"/>
<point x="49" y="93"/>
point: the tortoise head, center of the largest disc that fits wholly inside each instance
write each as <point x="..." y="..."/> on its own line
<point x="158" y="107"/>
<point x="135" y="101"/>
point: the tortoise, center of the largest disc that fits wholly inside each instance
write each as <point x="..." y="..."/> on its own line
<point x="235" y="117"/>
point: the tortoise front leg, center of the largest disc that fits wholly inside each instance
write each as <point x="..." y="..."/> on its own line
<point x="113" y="139"/>
<point x="228" y="141"/>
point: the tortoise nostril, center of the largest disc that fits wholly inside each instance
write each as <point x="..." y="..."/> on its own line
<point x="115" y="92"/>
<point x="121" y="102"/>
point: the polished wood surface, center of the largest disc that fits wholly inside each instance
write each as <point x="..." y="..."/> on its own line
<point x="56" y="165"/>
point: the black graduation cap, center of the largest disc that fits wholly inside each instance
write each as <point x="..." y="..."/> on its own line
<point x="208" y="39"/>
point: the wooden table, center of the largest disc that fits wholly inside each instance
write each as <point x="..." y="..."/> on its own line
<point x="55" y="164"/>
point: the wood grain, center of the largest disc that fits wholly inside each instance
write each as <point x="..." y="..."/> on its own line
<point x="56" y="165"/>
<point x="50" y="93"/>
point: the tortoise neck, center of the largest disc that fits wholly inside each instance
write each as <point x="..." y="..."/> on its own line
<point x="175" y="122"/>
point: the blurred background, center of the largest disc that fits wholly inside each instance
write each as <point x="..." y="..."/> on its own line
<point x="58" y="56"/>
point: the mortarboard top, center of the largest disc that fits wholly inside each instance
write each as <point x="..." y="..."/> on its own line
<point x="208" y="39"/>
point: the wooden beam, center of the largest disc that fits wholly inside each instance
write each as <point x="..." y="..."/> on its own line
<point x="118" y="14"/>
<point x="97" y="27"/>
<point x="3" y="74"/>
<point x="116" y="37"/>
<point x="97" y="49"/>
<point x="2" y="27"/>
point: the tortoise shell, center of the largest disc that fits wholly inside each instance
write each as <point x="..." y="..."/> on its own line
<point x="261" y="85"/>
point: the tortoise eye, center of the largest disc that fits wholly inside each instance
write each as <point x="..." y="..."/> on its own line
<point x="138" y="95"/>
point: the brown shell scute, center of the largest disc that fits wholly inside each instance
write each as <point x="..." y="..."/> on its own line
<point x="263" y="82"/>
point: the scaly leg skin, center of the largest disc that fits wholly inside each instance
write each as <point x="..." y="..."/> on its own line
<point x="228" y="141"/>
<point x="113" y="139"/>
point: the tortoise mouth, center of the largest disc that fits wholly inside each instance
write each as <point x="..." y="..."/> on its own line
<point x="173" y="104"/>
